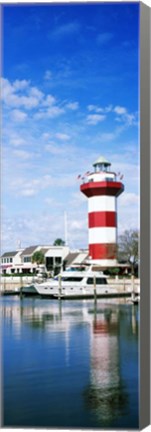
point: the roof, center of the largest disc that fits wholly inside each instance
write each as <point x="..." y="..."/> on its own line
<point x="71" y="257"/>
<point x="44" y="250"/>
<point x="76" y="258"/>
<point x="102" y="160"/>
<point x="82" y="256"/>
<point x="29" y="250"/>
<point x="9" y="254"/>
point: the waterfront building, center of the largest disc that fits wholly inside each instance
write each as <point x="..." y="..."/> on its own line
<point x="56" y="258"/>
<point x="11" y="260"/>
<point x="102" y="188"/>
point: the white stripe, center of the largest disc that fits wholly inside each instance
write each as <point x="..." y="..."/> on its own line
<point x="104" y="262"/>
<point x="102" y="235"/>
<point x="101" y="203"/>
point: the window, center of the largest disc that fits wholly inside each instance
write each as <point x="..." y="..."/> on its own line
<point x="49" y="263"/>
<point x="27" y="259"/>
<point x="72" y="279"/>
<point x="58" y="260"/>
<point x="99" y="281"/>
<point x="109" y="179"/>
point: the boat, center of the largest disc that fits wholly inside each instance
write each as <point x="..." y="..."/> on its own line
<point x="28" y="290"/>
<point x="77" y="282"/>
<point x="136" y="300"/>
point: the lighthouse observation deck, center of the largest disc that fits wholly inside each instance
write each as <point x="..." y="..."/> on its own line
<point x="101" y="181"/>
<point x="101" y="185"/>
<point x="102" y="188"/>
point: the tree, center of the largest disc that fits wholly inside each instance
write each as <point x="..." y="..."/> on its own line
<point x="59" y="242"/>
<point x="128" y="247"/>
<point x="38" y="257"/>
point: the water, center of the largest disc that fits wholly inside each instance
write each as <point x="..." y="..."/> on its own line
<point x="68" y="364"/>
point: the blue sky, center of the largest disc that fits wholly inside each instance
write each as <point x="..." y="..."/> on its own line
<point x="70" y="91"/>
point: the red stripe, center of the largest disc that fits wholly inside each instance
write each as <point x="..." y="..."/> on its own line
<point x="103" y="251"/>
<point x="102" y="188"/>
<point x="102" y="219"/>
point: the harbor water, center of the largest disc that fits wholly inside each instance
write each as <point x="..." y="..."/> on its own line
<point x="70" y="364"/>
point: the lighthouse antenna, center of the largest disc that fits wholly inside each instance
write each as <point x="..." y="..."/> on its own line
<point x="65" y="228"/>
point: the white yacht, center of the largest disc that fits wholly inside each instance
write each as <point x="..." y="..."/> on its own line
<point x="77" y="282"/>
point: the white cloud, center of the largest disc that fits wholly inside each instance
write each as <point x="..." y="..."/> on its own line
<point x="51" y="112"/>
<point x="94" y="119"/>
<point x="108" y="136"/>
<point x="54" y="111"/>
<point x="22" y="186"/>
<point x="18" y="116"/>
<point x="98" y="109"/>
<point x="94" y="108"/>
<point x="104" y="38"/>
<point x="128" y="212"/>
<point x="120" y="110"/>
<point x="23" y="154"/>
<point x="28" y="192"/>
<point x="109" y="108"/>
<point x="49" y="201"/>
<point x="131" y="120"/>
<point x="36" y="93"/>
<point x="77" y="224"/>
<point x="48" y="75"/>
<point x="129" y="199"/>
<point x="65" y="29"/>
<point x="46" y="135"/>
<point x="17" y="141"/>
<point x="49" y="100"/>
<point x="72" y="106"/>
<point x="62" y="136"/>
<point x="128" y="118"/>
<point x="21" y="84"/>
<point x="12" y="94"/>
<point x="53" y="148"/>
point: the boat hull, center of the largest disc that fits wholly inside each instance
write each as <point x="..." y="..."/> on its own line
<point x="88" y="296"/>
<point x="29" y="290"/>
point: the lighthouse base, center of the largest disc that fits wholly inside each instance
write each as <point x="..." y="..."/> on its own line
<point x="103" y="263"/>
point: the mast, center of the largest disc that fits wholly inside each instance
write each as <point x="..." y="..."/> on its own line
<point x="65" y="229"/>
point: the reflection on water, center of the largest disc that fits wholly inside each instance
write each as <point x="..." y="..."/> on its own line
<point x="69" y="363"/>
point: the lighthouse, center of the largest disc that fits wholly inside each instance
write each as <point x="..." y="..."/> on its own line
<point x="102" y="189"/>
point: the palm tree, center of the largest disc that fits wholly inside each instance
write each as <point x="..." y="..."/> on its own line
<point x="38" y="257"/>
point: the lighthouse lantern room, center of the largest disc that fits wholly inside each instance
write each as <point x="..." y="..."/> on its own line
<point x="102" y="188"/>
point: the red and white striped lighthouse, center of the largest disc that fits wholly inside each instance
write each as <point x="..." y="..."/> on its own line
<point x="102" y="189"/>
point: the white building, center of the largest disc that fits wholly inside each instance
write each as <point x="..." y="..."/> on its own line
<point x="56" y="258"/>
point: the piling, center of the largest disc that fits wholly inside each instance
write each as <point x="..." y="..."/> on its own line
<point x="133" y="287"/>
<point x="4" y="285"/>
<point x="21" y="294"/>
<point x="21" y="286"/>
<point x="94" y="285"/>
<point x="60" y="309"/>
<point x="59" y="286"/>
